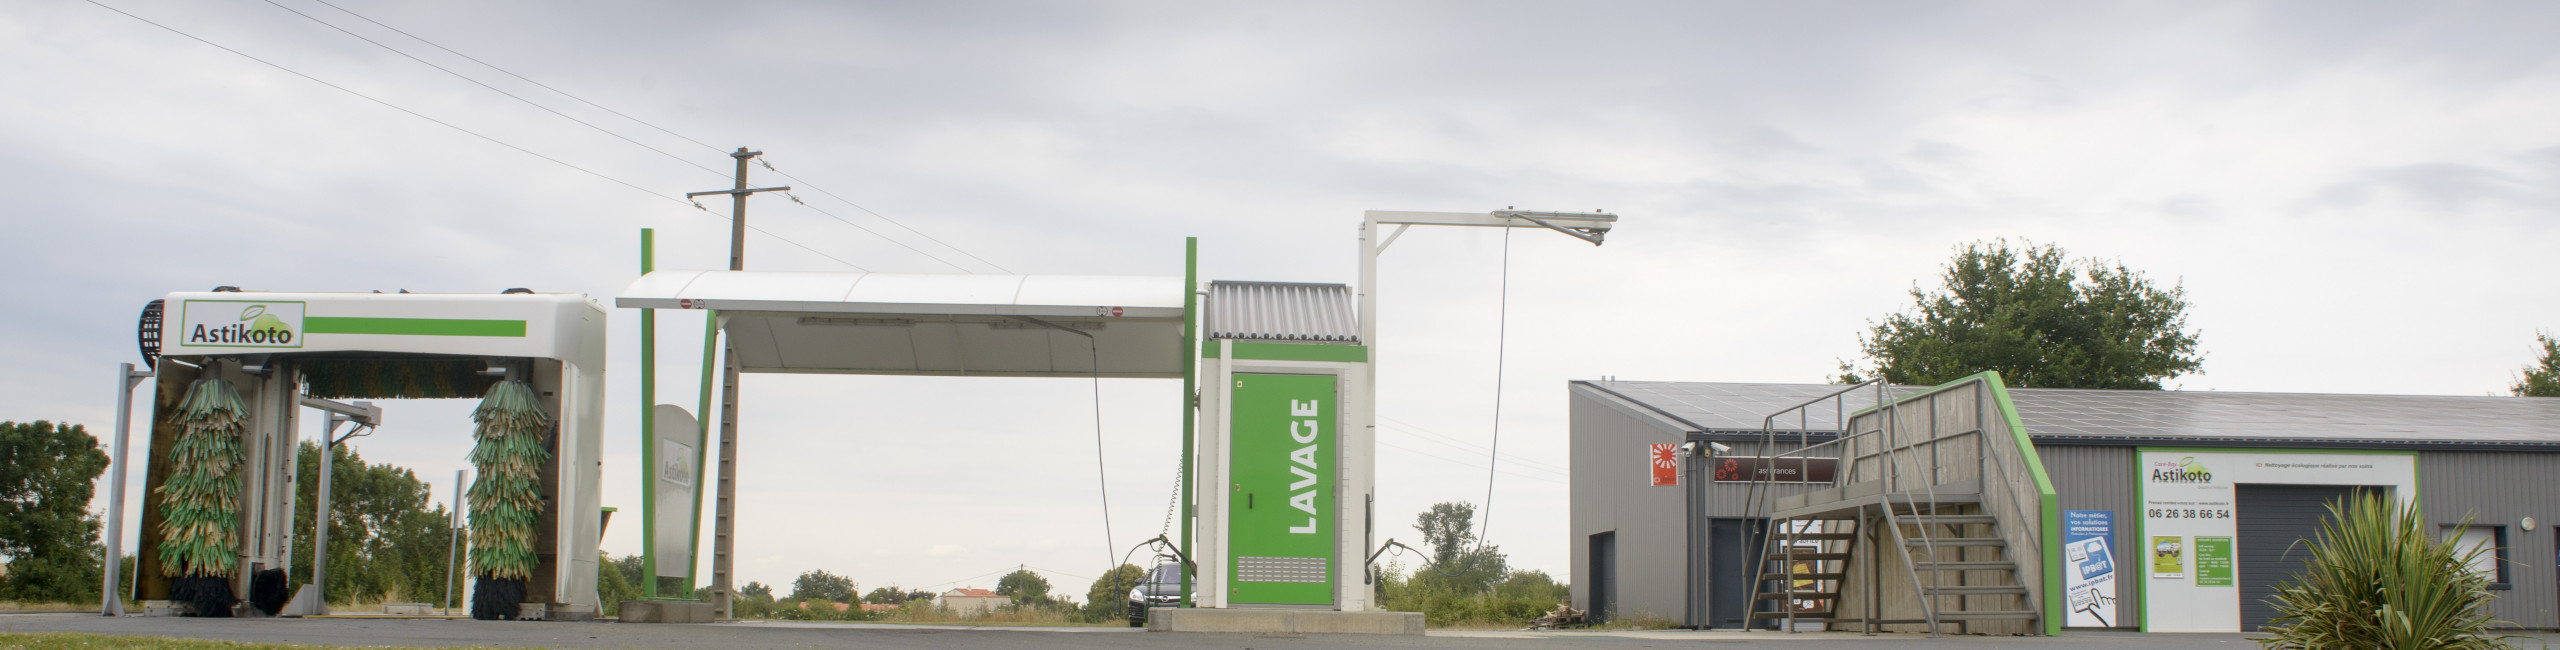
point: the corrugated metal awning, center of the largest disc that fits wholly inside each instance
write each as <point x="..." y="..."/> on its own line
<point x="1282" y="311"/>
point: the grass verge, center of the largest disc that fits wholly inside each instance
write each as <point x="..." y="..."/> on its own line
<point x="80" y="641"/>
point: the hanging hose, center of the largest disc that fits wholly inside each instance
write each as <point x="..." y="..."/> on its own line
<point x="1501" y="350"/>
<point x="1101" y="476"/>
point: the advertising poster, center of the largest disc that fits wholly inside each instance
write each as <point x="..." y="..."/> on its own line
<point x="2190" y="514"/>
<point x="2168" y="557"/>
<point x="2213" y="562"/>
<point x="2089" y="567"/>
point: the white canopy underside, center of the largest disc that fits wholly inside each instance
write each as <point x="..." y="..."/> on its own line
<point x="919" y="324"/>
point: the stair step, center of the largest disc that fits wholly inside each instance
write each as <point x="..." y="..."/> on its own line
<point x="1970" y="590"/>
<point x="1801" y="616"/>
<point x="1822" y="536"/>
<point x="1800" y="595"/>
<point x="1965" y="566"/>
<point x="1804" y="576"/>
<point x="1958" y="541"/>
<point x="1808" y="556"/>
<point x="1987" y="615"/>
<point x="1947" y="519"/>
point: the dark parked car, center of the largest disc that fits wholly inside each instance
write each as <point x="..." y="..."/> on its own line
<point x="1161" y="589"/>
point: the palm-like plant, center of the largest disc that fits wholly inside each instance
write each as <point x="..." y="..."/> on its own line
<point x="506" y="500"/>
<point x="2378" y="578"/>
<point x="200" y="532"/>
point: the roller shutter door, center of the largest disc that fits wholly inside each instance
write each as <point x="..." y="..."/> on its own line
<point x="2271" y="520"/>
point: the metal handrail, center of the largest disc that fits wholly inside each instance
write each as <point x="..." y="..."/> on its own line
<point x="1891" y="413"/>
<point x="1756" y="503"/>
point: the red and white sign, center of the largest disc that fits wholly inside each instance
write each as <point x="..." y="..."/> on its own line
<point x="1666" y="464"/>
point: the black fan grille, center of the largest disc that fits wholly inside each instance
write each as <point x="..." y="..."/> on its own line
<point x="149" y="334"/>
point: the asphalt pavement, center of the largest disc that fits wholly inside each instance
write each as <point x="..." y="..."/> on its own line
<point x="760" y="635"/>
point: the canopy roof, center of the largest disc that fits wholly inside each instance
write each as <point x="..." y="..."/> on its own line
<point x="2138" y="417"/>
<point x="929" y="324"/>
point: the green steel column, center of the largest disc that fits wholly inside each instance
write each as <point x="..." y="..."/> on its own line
<point x="648" y="446"/>
<point x="1190" y="388"/>
<point x="701" y="443"/>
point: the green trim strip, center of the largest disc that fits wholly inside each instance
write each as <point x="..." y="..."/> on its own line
<point x="1291" y="352"/>
<point x="648" y="429"/>
<point x="2051" y="512"/>
<point x="412" y="326"/>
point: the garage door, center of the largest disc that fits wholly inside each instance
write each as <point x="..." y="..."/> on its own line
<point x="2277" y="524"/>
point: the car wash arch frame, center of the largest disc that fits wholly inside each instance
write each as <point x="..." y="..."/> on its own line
<point x="652" y="292"/>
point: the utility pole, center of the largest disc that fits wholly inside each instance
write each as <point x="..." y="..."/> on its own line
<point x="724" y="520"/>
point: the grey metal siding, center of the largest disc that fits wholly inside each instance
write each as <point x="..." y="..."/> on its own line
<point x="1612" y="492"/>
<point x="2101" y="478"/>
<point x="2501" y="489"/>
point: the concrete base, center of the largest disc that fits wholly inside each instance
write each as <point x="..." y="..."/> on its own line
<point x="1282" y="621"/>
<point x="665" y="611"/>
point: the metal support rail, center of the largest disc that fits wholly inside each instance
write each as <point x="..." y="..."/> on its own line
<point x="1757" y="500"/>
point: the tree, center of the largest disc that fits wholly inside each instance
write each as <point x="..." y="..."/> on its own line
<point x="920" y="594"/>
<point x="2040" y="320"/>
<point x="47" y="475"/>
<point x="617" y="581"/>
<point x="1448" y="527"/>
<point x="1109" y="595"/>
<point x="884" y="596"/>
<point x="2542" y="379"/>
<point x="1025" y="587"/>
<point x="820" y="585"/>
<point x="757" y="590"/>
<point x="384" y="539"/>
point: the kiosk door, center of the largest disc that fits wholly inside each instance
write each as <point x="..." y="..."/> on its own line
<point x="1282" y="454"/>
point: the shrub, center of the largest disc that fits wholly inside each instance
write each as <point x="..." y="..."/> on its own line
<point x="2379" y="578"/>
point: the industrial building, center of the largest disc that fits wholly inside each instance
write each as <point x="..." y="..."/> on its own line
<point x="2161" y="511"/>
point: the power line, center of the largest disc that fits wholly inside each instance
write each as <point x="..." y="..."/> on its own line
<point x="465" y="131"/>
<point x="1514" y="471"/>
<point x="522" y="78"/>
<point x="1469" y="464"/>
<point x="874" y="233"/>
<point x="767" y="165"/>
<point x="883" y="217"/>
<point x="1428" y="435"/>
<point x="494" y="89"/>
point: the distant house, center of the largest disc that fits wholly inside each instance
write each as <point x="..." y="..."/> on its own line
<point x="879" y="607"/>
<point x="967" y="601"/>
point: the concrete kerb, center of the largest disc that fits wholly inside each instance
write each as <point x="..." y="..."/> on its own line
<point x="665" y="611"/>
<point x="1282" y="621"/>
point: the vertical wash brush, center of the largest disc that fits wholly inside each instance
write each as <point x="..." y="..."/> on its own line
<point x="199" y="536"/>
<point x="506" y="501"/>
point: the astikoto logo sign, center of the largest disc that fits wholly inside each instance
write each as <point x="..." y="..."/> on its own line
<point x="240" y="324"/>
<point x="2186" y="470"/>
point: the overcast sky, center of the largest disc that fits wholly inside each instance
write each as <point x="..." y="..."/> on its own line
<point x="2358" y="198"/>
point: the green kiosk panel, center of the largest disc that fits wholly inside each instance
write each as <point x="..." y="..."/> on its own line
<point x="1282" y="456"/>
